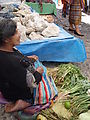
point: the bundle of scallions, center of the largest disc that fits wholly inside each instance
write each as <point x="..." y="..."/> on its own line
<point x="69" y="78"/>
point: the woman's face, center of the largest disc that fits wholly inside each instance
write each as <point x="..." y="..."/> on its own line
<point x="15" y="39"/>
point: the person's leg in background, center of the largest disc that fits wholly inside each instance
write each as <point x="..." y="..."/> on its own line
<point x="77" y="29"/>
<point x="75" y="16"/>
<point x="71" y="27"/>
<point x="88" y="5"/>
<point x="64" y="9"/>
<point x="71" y="19"/>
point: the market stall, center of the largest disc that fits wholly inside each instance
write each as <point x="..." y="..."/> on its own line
<point x="62" y="47"/>
<point x="65" y="48"/>
<point x="42" y="38"/>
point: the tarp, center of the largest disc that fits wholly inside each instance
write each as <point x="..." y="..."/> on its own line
<point x="65" y="48"/>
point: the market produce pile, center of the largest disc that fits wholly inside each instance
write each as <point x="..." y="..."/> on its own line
<point x="30" y="24"/>
<point x="68" y="78"/>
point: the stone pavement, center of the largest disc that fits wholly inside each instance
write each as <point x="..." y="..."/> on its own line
<point x="85" y="28"/>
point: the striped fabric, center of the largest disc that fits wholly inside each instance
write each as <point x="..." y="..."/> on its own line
<point x="46" y="90"/>
<point x="75" y="12"/>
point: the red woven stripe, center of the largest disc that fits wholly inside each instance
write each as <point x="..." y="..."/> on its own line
<point x="45" y="90"/>
<point x="39" y="93"/>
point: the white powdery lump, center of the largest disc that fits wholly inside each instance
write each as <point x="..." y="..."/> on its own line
<point x="36" y="22"/>
<point x="33" y="26"/>
<point x="22" y="30"/>
<point x="51" y="31"/>
<point x="35" y="36"/>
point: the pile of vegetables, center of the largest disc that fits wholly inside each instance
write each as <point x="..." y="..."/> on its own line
<point x="68" y="75"/>
<point x="69" y="78"/>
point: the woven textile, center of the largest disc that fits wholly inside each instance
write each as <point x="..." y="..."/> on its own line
<point x="75" y="12"/>
<point x="46" y="89"/>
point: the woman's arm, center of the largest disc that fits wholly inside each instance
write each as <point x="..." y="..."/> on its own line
<point x="33" y="58"/>
<point x="26" y="62"/>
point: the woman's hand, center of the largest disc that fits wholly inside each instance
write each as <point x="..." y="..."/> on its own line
<point x="38" y="75"/>
<point x="40" y="70"/>
<point x="33" y="57"/>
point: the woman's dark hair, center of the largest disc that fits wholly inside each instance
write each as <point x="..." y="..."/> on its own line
<point x="7" y="29"/>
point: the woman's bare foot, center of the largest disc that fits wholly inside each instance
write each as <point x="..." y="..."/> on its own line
<point x="19" y="105"/>
<point x="77" y="29"/>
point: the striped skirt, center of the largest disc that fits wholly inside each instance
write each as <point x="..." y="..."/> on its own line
<point x="75" y="12"/>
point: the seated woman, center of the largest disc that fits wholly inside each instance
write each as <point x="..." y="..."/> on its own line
<point x="23" y="79"/>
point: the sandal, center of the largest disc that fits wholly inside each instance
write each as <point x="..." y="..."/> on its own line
<point x="71" y="29"/>
<point x="75" y="32"/>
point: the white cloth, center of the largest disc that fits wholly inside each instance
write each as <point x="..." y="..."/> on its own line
<point x="88" y="2"/>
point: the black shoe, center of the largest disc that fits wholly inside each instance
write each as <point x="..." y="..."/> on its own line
<point x="71" y="29"/>
<point x="78" y="33"/>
